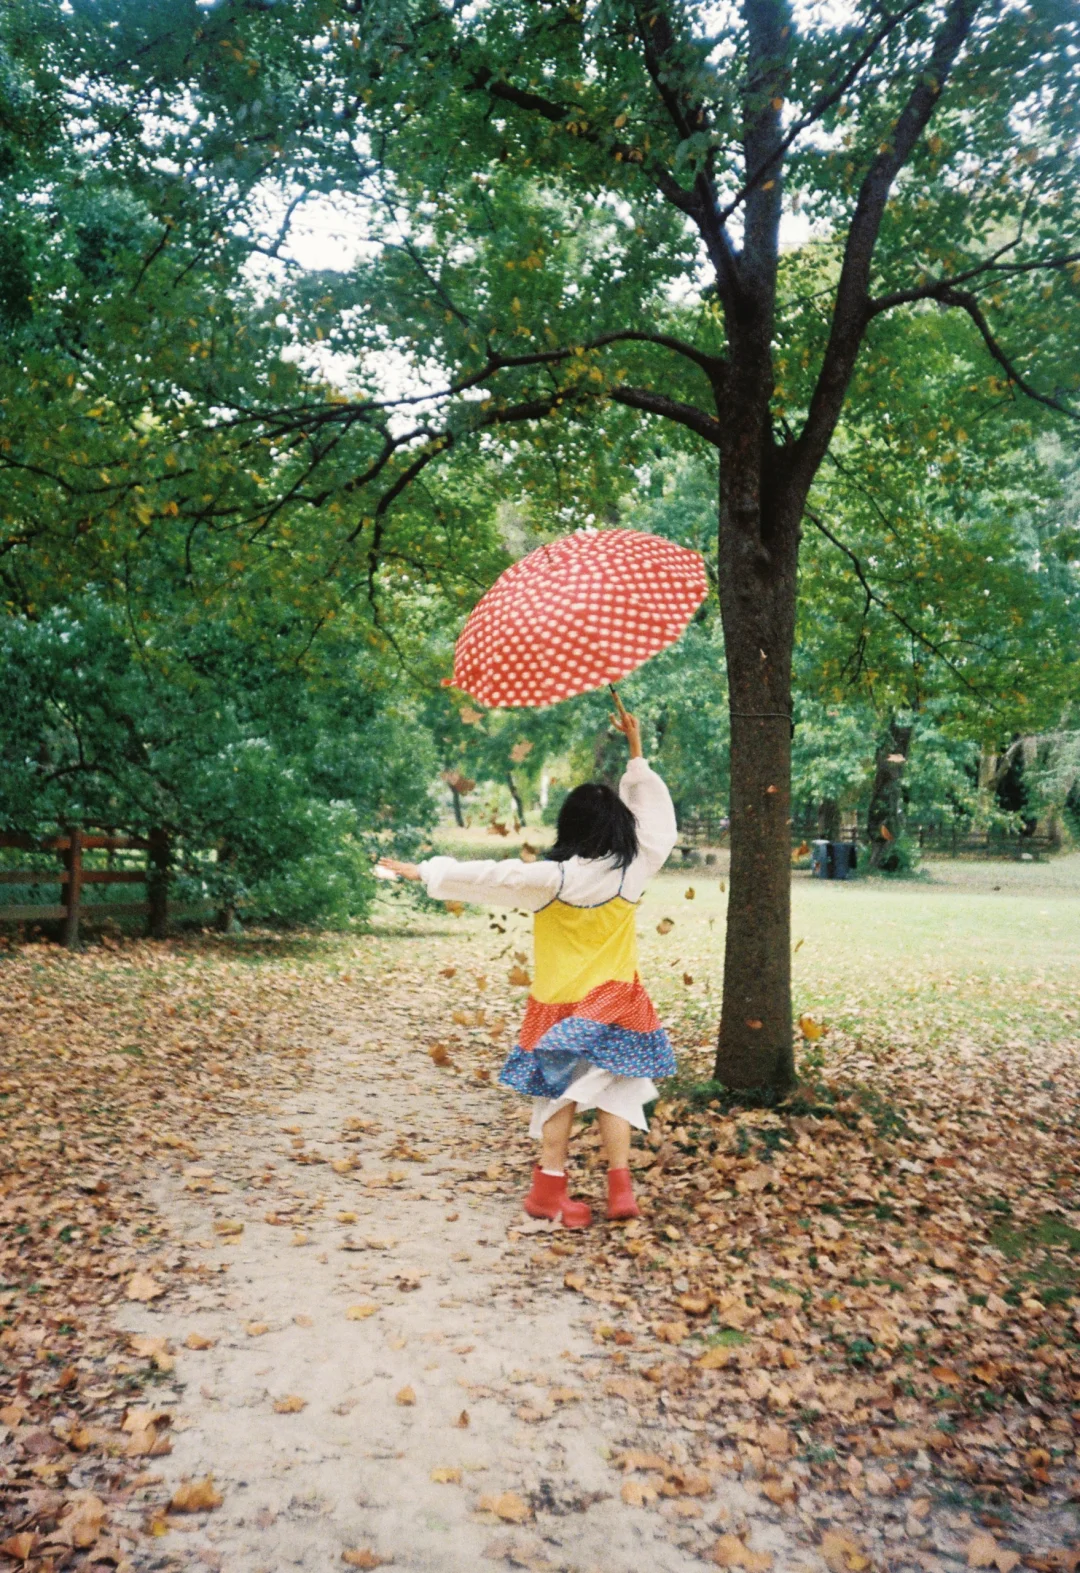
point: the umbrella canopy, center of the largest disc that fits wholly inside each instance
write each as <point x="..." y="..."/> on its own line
<point x="576" y="614"/>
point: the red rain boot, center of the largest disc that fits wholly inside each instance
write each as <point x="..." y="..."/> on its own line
<point x="548" y="1199"/>
<point x="620" y="1195"/>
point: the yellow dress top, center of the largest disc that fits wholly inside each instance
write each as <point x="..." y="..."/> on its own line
<point x="579" y="948"/>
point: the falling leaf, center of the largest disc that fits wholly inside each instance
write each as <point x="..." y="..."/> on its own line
<point x="405" y="1396"/>
<point x="360" y="1313"/>
<point x="518" y="977"/>
<point x="527" y="853"/>
<point x="470" y="716"/>
<point x="199" y="1341"/>
<point x="440" y="1055"/>
<point x="456" y="907"/>
<point x="689" y="893"/>
<point x="688" y="978"/>
<point x="665" y="925"/>
<point x="300" y="1320"/>
<point x="462" y="1420"/>
<point x="196" y="1496"/>
<point x="811" y="1030"/>
<point x="521" y="751"/>
<point x="447" y="972"/>
<point x="754" y="1023"/>
<point x="363" y="1557"/>
<point x="446" y="1476"/>
<point x="228" y="1226"/>
<point x="141" y="1286"/>
<point x="506" y="1505"/>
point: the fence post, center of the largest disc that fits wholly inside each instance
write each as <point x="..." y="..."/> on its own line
<point x="157" y="884"/>
<point x="73" y="893"/>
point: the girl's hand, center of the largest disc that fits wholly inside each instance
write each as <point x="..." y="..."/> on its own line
<point x="628" y="725"/>
<point x="403" y="870"/>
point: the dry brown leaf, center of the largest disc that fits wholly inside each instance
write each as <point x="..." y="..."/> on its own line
<point x="289" y="1405"/>
<point x="440" y="1054"/>
<point x="506" y="1505"/>
<point x="730" y="1552"/>
<point x="199" y="1341"/>
<point x="575" y="1281"/>
<point x="196" y="1496"/>
<point x="256" y="1329"/>
<point x="83" y="1519"/>
<point x="141" y="1286"/>
<point x="638" y="1493"/>
<point x="360" y="1313"/>
<point x="364" y="1557"/>
<point x="695" y="1304"/>
<point x="665" y="925"/>
<point x="405" y="1396"/>
<point x="519" y="977"/>
<point x="228" y="1226"/>
<point x="20" y="1546"/>
<point x="671" y="1332"/>
<point x="842" y="1552"/>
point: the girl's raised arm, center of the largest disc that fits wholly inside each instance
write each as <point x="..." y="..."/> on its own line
<point x="649" y="800"/>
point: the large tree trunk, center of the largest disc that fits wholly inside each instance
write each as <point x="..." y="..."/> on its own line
<point x="757" y="560"/>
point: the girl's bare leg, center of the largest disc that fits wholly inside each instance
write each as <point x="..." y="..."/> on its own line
<point x="555" y="1143"/>
<point x="615" y="1135"/>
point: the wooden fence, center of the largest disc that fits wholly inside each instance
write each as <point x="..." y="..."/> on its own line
<point x="73" y="877"/>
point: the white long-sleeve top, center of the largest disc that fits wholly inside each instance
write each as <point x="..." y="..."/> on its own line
<point x="580" y="882"/>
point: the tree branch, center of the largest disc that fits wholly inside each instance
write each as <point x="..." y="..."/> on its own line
<point x="935" y="288"/>
<point x="966" y="301"/>
<point x="891" y="611"/>
<point x="852" y="292"/>
<point x="687" y="415"/>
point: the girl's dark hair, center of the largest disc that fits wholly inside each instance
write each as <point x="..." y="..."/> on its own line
<point x="594" y="822"/>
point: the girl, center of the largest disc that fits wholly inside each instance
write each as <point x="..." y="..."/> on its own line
<point x="590" y="1038"/>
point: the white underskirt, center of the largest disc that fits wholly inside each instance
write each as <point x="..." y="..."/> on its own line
<point x="625" y="1096"/>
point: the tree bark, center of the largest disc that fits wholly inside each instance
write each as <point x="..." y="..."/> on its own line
<point x="758" y="550"/>
<point x="157" y="921"/>
<point x="828" y="819"/>
<point x="459" y="817"/>
<point x="519" y="806"/>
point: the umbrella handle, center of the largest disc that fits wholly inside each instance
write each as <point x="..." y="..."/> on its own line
<point x="620" y="707"/>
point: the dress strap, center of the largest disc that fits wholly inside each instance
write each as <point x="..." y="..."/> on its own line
<point x="562" y="876"/>
<point x="622" y="876"/>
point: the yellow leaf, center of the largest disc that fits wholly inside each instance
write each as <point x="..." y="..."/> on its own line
<point x="811" y="1030"/>
<point x="519" y="977"/>
<point x="446" y="1476"/>
<point x="228" y="1226"/>
<point x="196" y="1496"/>
<point x="506" y="1505"/>
<point x="256" y="1329"/>
<point x="405" y="1396"/>
<point x="290" y="1405"/>
<point x="199" y="1341"/>
<point x="690" y="893"/>
<point x="359" y="1313"/>
<point x="636" y="1493"/>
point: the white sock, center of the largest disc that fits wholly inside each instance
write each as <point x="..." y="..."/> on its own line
<point x="556" y="1174"/>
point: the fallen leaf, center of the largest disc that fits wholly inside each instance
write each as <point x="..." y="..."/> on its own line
<point x="690" y="893"/>
<point x="360" y="1313"/>
<point x="290" y="1405"/>
<point x="364" y="1558"/>
<point x="638" y="1493"/>
<point x="842" y="1552"/>
<point x="20" y="1546"/>
<point x="83" y="1519"/>
<point x="199" y="1341"/>
<point x="440" y="1054"/>
<point x="196" y="1496"/>
<point x="256" y="1329"/>
<point x="405" y="1396"/>
<point x="141" y="1286"/>
<point x="462" y="1420"/>
<point x="506" y="1505"/>
<point x="519" y="977"/>
<point x="730" y="1552"/>
<point x="228" y="1226"/>
<point x="447" y="972"/>
<point x="446" y="1476"/>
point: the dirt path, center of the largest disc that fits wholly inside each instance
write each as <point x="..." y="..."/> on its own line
<point x="477" y="1362"/>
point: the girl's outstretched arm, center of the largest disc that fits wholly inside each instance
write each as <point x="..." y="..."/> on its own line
<point x="509" y="883"/>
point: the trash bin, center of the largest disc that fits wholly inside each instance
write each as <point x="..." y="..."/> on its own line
<point x="819" y="860"/>
<point x="833" y="859"/>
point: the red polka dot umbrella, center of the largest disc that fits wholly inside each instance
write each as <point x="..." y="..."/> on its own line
<point x="575" y="615"/>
